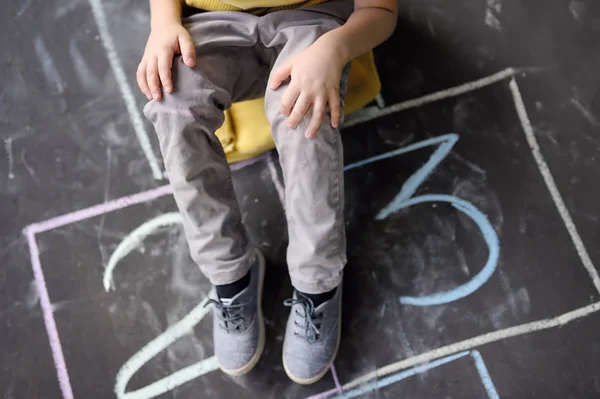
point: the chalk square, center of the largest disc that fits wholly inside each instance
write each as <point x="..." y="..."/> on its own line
<point x="535" y="238"/>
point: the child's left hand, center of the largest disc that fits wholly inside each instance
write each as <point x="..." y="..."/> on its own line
<point x="315" y="82"/>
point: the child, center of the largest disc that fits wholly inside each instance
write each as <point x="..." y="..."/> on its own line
<point x="294" y="53"/>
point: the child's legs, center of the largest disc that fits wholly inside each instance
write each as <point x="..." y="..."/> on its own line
<point x="227" y="69"/>
<point x="312" y="169"/>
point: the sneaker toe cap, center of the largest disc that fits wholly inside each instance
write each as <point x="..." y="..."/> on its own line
<point x="307" y="365"/>
<point x="232" y="360"/>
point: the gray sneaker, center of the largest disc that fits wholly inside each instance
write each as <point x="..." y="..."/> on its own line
<point x="312" y="337"/>
<point x="238" y="325"/>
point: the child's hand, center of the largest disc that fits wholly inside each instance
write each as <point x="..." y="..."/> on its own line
<point x="164" y="42"/>
<point x="315" y="82"/>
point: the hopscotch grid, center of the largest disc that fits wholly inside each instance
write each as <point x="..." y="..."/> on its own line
<point x="54" y="340"/>
<point x="125" y="88"/>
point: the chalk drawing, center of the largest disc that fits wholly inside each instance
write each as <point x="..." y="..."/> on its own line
<point x="201" y="367"/>
<point x="49" y="322"/>
<point x="522" y="329"/>
<point x="157" y="345"/>
<point x="585" y="112"/>
<point x="405" y="199"/>
<point x="494" y="8"/>
<point x="336" y="380"/>
<point x="325" y="394"/>
<point x="9" y="154"/>
<point x="484" y="374"/>
<point x="479" y="364"/>
<point x="173" y="333"/>
<point x="275" y="179"/>
<point x="133" y="240"/>
<point x="48" y="66"/>
<point x="29" y="168"/>
<point x="99" y="209"/>
<point x="337" y="389"/>
<point x="577" y="8"/>
<point x="38" y="273"/>
<point x="551" y="184"/>
<point x="126" y="91"/>
<point x="358" y="117"/>
<point x="474" y="342"/>
<point x="399" y="377"/>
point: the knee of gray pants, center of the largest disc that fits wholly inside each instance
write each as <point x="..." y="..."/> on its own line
<point x="185" y="120"/>
<point x="313" y="175"/>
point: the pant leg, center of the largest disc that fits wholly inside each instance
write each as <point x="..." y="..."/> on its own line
<point x="227" y="69"/>
<point x="312" y="169"/>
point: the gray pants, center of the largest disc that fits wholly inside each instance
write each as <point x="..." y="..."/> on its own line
<point x="236" y="52"/>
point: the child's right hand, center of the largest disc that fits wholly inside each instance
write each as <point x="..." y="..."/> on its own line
<point x="155" y="68"/>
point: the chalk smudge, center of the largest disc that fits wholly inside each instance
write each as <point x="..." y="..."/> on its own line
<point x="494" y="8"/>
<point x="9" y="154"/>
<point x="48" y="66"/>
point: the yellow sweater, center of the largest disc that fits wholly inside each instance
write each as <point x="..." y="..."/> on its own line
<point x="246" y="132"/>
<point x="252" y="6"/>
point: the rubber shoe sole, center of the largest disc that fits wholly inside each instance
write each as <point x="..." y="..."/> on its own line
<point x="261" y="326"/>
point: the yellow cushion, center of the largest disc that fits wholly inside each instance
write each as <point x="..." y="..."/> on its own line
<point x="246" y="132"/>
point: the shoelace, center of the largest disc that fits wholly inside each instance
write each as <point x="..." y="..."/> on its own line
<point x="230" y="315"/>
<point x="311" y="325"/>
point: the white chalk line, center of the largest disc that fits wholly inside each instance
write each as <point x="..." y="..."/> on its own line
<point x="275" y="179"/>
<point x="551" y="184"/>
<point x="133" y="240"/>
<point x="474" y="342"/>
<point x="8" y="147"/>
<point x="126" y="91"/>
<point x="173" y="333"/>
<point x="433" y="97"/>
<point x="587" y="114"/>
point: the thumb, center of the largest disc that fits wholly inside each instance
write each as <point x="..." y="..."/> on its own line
<point x="188" y="50"/>
<point x="280" y="75"/>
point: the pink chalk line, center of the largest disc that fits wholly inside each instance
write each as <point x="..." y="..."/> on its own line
<point x="336" y="379"/>
<point x="98" y="210"/>
<point x="55" y="347"/>
<point x="324" y="395"/>
<point x="115" y="204"/>
<point x="337" y="389"/>
<point x="34" y="252"/>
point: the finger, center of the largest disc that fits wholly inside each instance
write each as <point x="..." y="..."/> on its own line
<point x="165" y="63"/>
<point x="300" y="108"/>
<point x="188" y="50"/>
<point x="335" y="108"/>
<point x="141" y="79"/>
<point x="289" y="98"/>
<point x="280" y="75"/>
<point x="152" y="78"/>
<point x="319" y="109"/>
